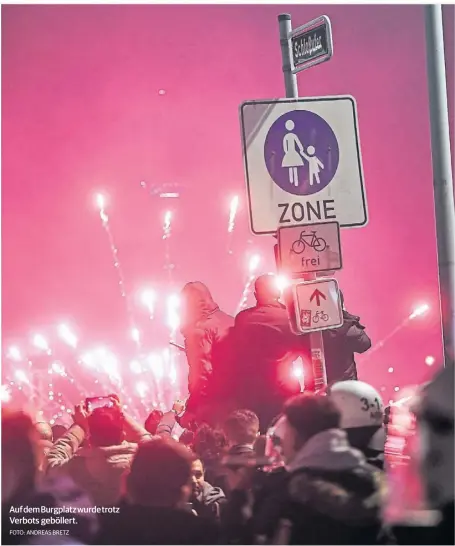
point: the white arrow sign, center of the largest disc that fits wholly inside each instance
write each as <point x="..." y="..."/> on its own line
<point x="317" y="305"/>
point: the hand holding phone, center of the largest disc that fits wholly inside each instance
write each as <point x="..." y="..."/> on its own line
<point x="80" y="416"/>
<point x="178" y="407"/>
<point x="98" y="402"/>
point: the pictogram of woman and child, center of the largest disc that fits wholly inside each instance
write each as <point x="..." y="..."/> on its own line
<point x="293" y="158"/>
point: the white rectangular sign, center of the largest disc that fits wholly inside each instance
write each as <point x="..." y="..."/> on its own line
<point x="309" y="248"/>
<point x="303" y="163"/>
<point x="317" y="305"/>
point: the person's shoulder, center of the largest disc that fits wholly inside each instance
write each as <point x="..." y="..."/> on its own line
<point x="242" y="315"/>
<point x="198" y="530"/>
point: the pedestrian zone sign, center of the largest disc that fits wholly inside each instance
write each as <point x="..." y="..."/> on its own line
<point x="303" y="163"/>
<point x="317" y="305"/>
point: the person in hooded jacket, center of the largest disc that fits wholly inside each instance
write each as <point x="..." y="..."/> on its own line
<point x="340" y="345"/>
<point x="265" y="348"/>
<point x="328" y="493"/>
<point x="205" y="498"/>
<point x="205" y="329"/>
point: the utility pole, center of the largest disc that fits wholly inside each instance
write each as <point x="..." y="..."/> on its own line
<point x="442" y="174"/>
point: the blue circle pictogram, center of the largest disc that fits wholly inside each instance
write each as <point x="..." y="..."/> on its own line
<point x="301" y="152"/>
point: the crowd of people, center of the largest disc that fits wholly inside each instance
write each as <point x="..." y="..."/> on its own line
<point x="247" y="459"/>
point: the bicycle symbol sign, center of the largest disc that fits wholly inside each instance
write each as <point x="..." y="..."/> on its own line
<point x="318" y="243"/>
<point x="309" y="248"/>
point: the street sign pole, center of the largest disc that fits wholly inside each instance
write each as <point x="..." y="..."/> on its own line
<point x="290" y="83"/>
<point x="442" y="174"/>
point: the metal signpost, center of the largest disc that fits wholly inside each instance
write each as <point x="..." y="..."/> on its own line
<point x="304" y="177"/>
<point x="290" y="82"/>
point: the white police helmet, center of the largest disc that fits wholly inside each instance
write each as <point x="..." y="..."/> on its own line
<point x="359" y="403"/>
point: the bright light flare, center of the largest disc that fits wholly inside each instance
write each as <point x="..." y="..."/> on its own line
<point x="156" y="365"/>
<point x="40" y="342"/>
<point x="141" y="388"/>
<point x="282" y="282"/>
<point x="135" y="334"/>
<point x="5" y="394"/>
<point x="167" y="224"/>
<point x="419" y="311"/>
<point x="135" y="367"/>
<point x="233" y="212"/>
<point x="100" y="201"/>
<point x="58" y="367"/>
<point x="254" y="263"/>
<point x="173" y="317"/>
<point x="430" y="360"/>
<point x="21" y="376"/>
<point x="14" y="353"/>
<point x="67" y="335"/>
<point x="148" y="299"/>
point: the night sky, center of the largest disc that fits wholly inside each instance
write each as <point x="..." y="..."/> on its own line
<point x="82" y="113"/>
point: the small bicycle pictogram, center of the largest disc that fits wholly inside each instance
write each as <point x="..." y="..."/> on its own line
<point x="308" y="239"/>
<point x="320" y="315"/>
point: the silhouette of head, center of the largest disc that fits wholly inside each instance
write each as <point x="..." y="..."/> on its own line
<point x="311" y="150"/>
<point x="266" y="289"/>
<point x="289" y="125"/>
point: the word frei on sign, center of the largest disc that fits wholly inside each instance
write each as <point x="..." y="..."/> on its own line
<point x="309" y="248"/>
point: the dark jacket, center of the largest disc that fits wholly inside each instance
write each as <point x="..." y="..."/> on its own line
<point x="263" y="340"/>
<point x="265" y="348"/>
<point x="135" y="524"/>
<point x="207" y="502"/>
<point x="205" y="329"/>
<point x="329" y="495"/>
<point x="340" y="345"/>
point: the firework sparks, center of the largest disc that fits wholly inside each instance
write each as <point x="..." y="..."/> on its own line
<point x="233" y="213"/>
<point x="41" y="343"/>
<point x="67" y="336"/>
<point x="253" y="265"/>
<point x="167" y="224"/>
<point x="14" y="353"/>
<point x="148" y="299"/>
<point x="173" y="317"/>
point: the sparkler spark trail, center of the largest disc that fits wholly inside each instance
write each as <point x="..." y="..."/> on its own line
<point x="419" y="311"/>
<point x="40" y="342"/>
<point x="167" y="224"/>
<point x="231" y="225"/>
<point x="253" y="264"/>
<point x="67" y="336"/>
<point x="233" y="213"/>
<point x="148" y="299"/>
<point x="101" y="203"/>
<point x="167" y="227"/>
<point x="14" y="353"/>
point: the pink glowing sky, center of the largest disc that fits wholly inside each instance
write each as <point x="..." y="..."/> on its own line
<point x="82" y="113"/>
